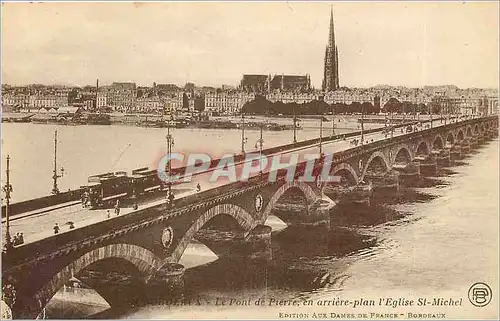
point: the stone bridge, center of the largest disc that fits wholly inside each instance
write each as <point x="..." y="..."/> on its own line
<point x="133" y="259"/>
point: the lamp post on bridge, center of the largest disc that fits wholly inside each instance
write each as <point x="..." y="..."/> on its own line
<point x="55" y="175"/>
<point x="260" y="144"/>
<point x="243" y="139"/>
<point x="392" y="124"/>
<point x="7" y="189"/>
<point x="333" y="121"/>
<point x="170" y="144"/>
<point x="294" y="126"/>
<point x="321" y="136"/>
<point x="362" y="125"/>
<point x="430" y="112"/>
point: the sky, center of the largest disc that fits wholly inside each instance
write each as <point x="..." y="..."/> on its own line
<point x="212" y="43"/>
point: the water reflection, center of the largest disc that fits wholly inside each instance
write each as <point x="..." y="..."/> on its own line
<point x="197" y="253"/>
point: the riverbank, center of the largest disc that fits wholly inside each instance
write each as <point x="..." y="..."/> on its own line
<point x="143" y="120"/>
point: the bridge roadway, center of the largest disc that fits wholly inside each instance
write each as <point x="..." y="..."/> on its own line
<point x="38" y="224"/>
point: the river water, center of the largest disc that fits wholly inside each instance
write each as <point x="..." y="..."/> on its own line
<point x="434" y="241"/>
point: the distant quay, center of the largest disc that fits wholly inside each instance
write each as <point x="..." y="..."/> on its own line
<point x="140" y="120"/>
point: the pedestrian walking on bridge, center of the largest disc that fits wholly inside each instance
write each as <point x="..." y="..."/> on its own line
<point x="56" y="229"/>
<point x="117" y="207"/>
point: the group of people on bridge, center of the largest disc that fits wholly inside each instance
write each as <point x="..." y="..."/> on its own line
<point x="18" y="239"/>
<point x="57" y="228"/>
<point x="355" y="142"/>
<point x="90" y="199"/>
<point x="117" y="208"/>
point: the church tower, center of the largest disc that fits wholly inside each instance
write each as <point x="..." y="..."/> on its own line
<point x="331" y="72"/>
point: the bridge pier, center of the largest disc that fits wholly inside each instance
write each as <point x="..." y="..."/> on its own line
<point x="344" y="195"/>
<point x="311" y="214"/>
<point x="442" y="157"/>
<point x="256" y="245"/>
<point x="166" y="285"/>
<point x="473" y="143"/>
<point x="465" y="146"/>
<point x="427" y="165"/>
<point x="384" y="183"/>
<point x="409" y="174"/>
<point x="479" y="140"/>
<point x="456" y="152"/>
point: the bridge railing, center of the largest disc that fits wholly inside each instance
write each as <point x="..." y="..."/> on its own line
<point x="42" y="202"/>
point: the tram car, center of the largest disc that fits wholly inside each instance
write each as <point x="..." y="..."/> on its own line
<point x="145" y="180"/>
<point x="105" y="188"/>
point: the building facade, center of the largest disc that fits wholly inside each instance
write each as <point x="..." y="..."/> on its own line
<point x="55" y="100"/>
<point x="292" y="97"/>
<point x="149" y="105"/>
<point x="226" y="102"/>
<point x="122" y="96"/>
<point x="102" y="99"/>
<point x="19" y="100"/>
<point x="349" y="97"/>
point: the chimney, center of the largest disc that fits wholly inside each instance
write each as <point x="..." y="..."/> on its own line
<point x="96" y="91"/>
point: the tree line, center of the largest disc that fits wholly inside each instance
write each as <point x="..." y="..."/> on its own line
<point x="261" y="106"/>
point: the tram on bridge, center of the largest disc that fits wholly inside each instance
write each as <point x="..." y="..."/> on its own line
<point x="104" y="190"/>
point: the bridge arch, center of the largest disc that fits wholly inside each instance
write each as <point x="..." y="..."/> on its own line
<point x="403" y="155"/>
<point x="145" y="261"/>
<point x="377" y="160"/>
<point x="346" y="171"/>
<point x="450" y="139"/>
<point x="438" y="142"/>
<point x="307" y="190"/>
<point x="460" y="135"/>
<point x="240" y="215"/>
<point x="422" y="149"/>
<point x="469" y="131"/>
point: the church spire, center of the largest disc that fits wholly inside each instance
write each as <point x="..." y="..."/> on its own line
<point x="331" y="70"/>
<point x="331" y="39"/>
